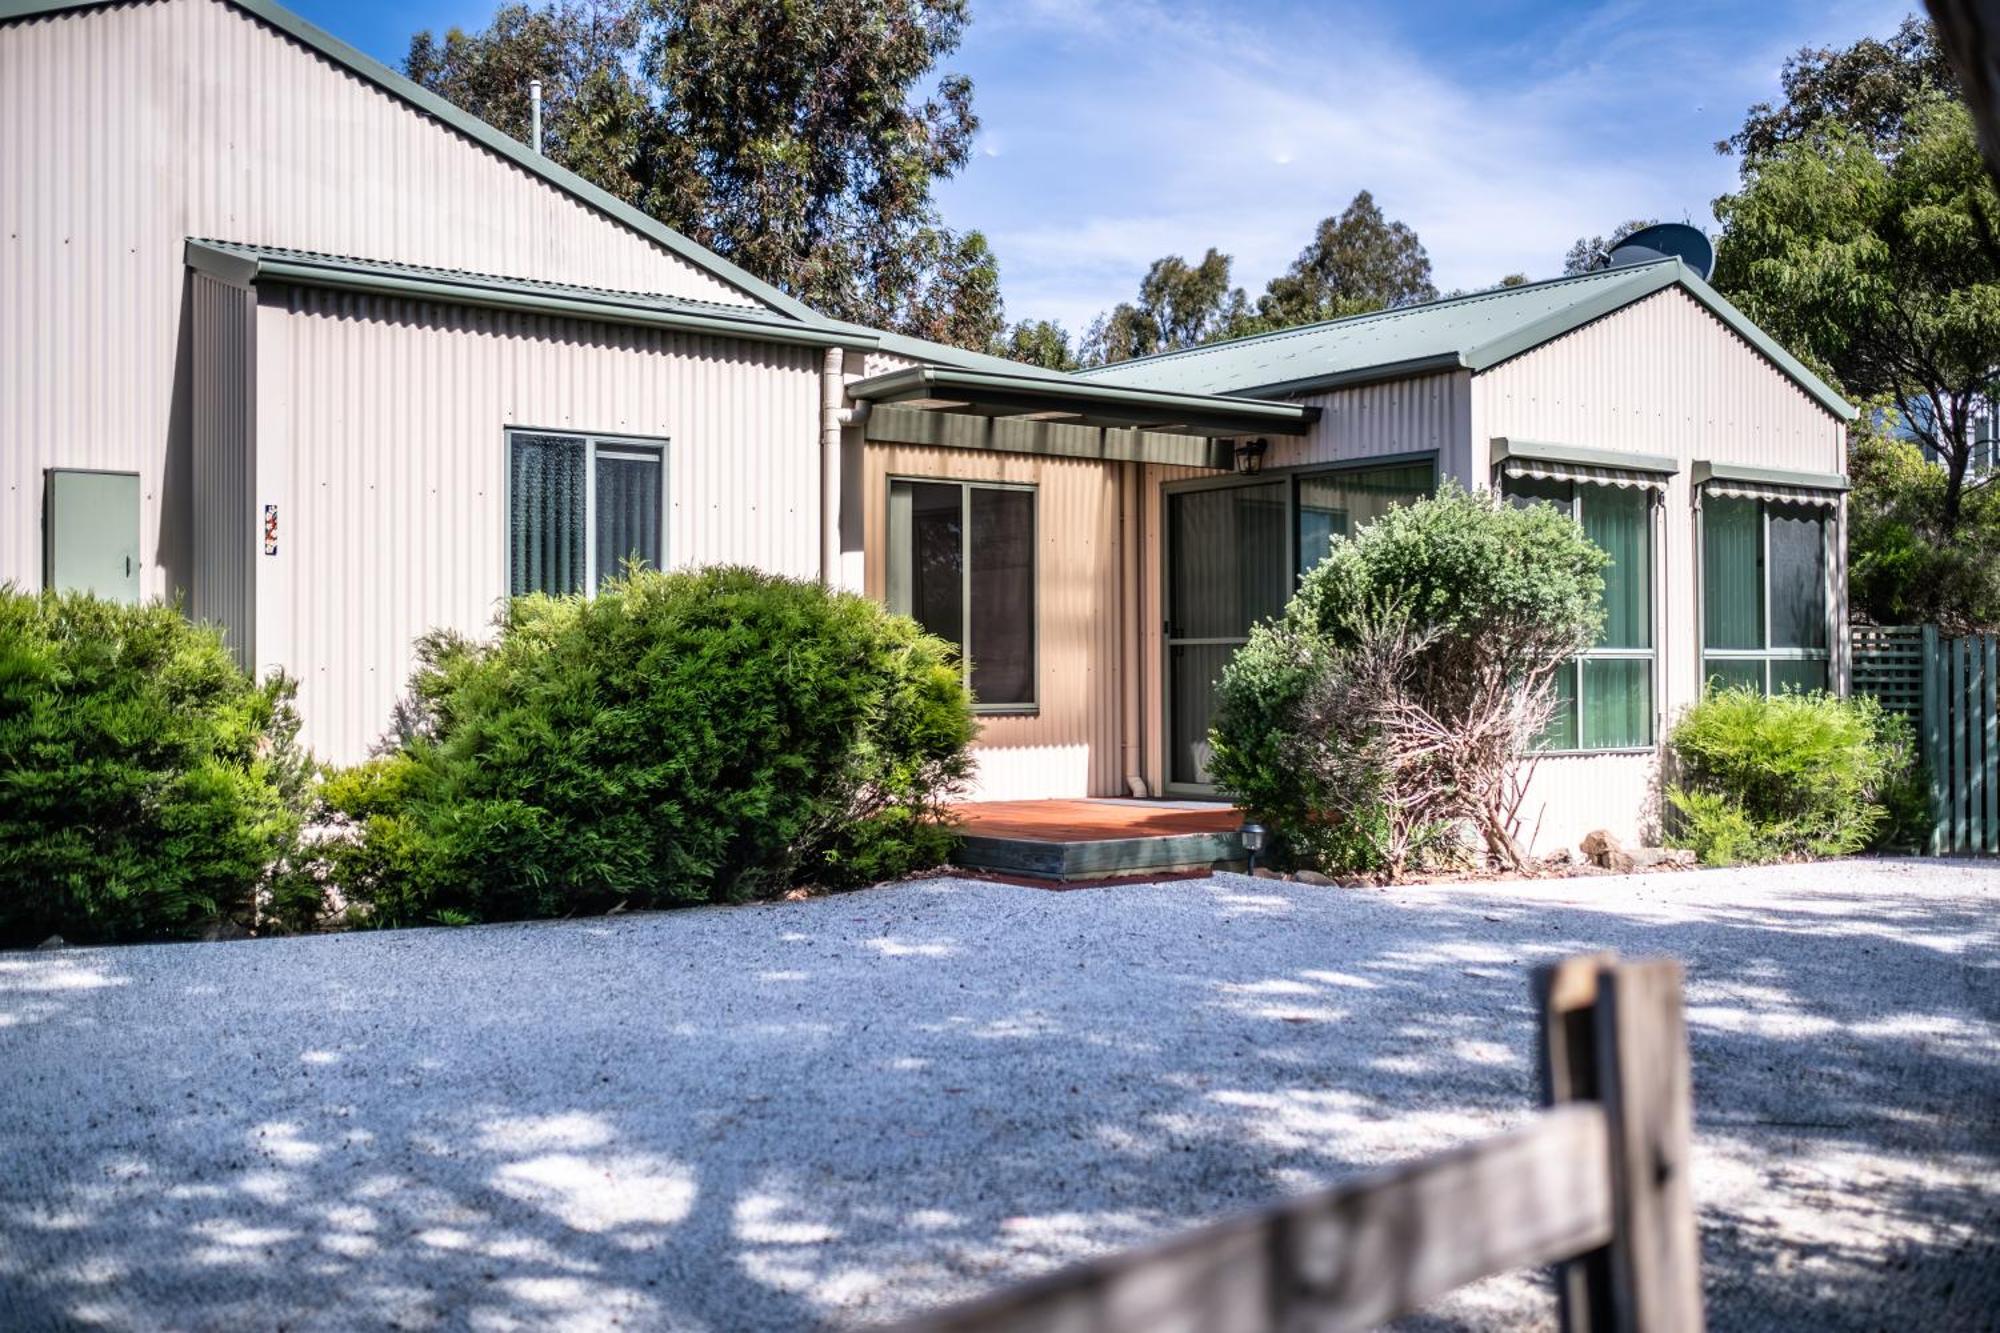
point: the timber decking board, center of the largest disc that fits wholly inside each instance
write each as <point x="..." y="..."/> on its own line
<point x="1089" y="821"/>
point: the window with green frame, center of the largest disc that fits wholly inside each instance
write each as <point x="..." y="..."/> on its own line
<point x="1764" y="598"/>
<point x="1604" y="697"/>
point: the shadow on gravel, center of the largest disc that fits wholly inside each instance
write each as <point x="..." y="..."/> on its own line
<point x="843" y="1110"/>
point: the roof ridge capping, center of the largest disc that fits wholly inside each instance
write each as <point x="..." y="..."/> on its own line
<point x="429" y="103"/>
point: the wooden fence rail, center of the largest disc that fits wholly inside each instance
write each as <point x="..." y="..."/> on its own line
<point x="1598" y="1183"/>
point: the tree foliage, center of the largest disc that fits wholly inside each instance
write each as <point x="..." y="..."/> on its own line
<point x="800" y="141"/>
<point x="1872" y="88"/>
<point x="1355" y="263"/>
<point x="1590" y="253"/>
<point x="1180" y="304"/>
<point x="1881" y="268"/>
<point x="1388" y="711"/>
<point x="1039" y="342"/>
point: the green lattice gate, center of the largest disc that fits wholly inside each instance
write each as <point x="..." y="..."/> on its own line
<point x="1950" y="687"/>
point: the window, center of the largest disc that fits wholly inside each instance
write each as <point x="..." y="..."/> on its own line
<point x="1764" y="601"/>
<point x="1604" y="697"/>
<point x="579" y="507"/>
<point x="962" y="563"/>
<point x="1339" y="504"/>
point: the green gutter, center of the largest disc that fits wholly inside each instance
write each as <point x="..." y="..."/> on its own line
<point x="1034" y="392"/>
<point x="244" y="271"/>
<point x="421" y="98"/>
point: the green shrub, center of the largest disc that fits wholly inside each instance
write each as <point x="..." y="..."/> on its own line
<point x="1385" y="713"/>
<point x="677" y="738"/>
<point x="1761" y="778"/>
<point x="148" y="786"/>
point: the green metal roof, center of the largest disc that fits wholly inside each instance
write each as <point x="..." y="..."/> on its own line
<point x="1473" y="333"/>
<point x="245" y="265"/>
<point x="1000" y="393"/>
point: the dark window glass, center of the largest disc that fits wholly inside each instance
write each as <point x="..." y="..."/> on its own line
<point x="1798" y="578"/>
<point x="1799" y="675"/>
<point x="1003" y="596"/>
<point x="1726" y="673"/>
<point x="546" y="517"/>
<point x="1340" y="504"/>
<point x="961" y="562"/>
<point x="628" y="509"/>
<point x="1560" y="734"/>
<point x="1617" y="520"/>
<point x="1228" y="557"/>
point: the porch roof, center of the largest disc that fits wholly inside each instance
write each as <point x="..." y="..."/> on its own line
<point x="1032" y="397"/>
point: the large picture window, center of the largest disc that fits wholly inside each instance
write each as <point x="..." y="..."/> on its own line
<point x="1764" y="600"/>
<point x="962" y="564"/>
<point x="579" y="507"/>
<point x="1604" y="697"/>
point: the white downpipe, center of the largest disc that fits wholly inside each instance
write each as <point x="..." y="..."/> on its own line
<point x="1130" y="683"/>
<point x="831" y="391"/>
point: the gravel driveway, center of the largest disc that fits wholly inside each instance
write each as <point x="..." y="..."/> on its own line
<point x="839" y="1111"/>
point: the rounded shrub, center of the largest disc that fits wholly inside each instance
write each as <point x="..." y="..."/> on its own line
<point x="678" y="738"/>
<point x="1765" y="778"/>
<point x="148" y="785"/>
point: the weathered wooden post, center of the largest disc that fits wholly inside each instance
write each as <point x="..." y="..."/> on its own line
<point x="1615" y="1033"/>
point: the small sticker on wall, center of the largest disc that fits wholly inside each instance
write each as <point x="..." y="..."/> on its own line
<point x="270" y="529"/>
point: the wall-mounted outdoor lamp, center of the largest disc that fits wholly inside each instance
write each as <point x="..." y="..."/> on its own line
<point x="1250" y="456"/>
<point x="1253" y="842"/>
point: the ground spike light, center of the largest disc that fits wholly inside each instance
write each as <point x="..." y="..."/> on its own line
<point x="1252" y="834"/>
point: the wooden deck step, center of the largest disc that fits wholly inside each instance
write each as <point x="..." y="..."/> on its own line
<point x="1065" y="840"/>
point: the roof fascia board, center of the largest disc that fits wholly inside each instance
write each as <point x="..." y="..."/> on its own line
<point x="1544" y="451"/>
<point x="1030" y="392"/>
<point x="1705" y="471"/>
<point x="219" y="263"/>
<point x="430" y="104"/>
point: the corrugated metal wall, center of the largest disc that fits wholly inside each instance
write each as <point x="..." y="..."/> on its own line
<point x="380" y="437"/>
<point x="1662" y="376"/>
<point x="224" y="466"/>
<point x="124" y="130"/>
<point x="1070" y="746"/>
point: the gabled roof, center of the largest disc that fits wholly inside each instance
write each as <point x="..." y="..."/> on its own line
<point x="430" y="104"/>
<point x="1473" y="333"/>
<point x="246" y="265"/>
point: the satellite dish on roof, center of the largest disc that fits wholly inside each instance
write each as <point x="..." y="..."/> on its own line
<point x="1666" y="240"/>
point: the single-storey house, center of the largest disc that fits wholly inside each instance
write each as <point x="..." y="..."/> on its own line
<point x="288" y="336"/>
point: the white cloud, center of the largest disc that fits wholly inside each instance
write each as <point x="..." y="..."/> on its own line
<point x="1133" y="131"/>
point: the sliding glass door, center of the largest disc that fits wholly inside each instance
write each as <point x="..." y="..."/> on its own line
<point x="1228" y="567"/>
<point x="1235" y="551"/>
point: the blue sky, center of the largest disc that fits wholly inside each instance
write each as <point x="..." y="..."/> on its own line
<point x="1116" y="131"/>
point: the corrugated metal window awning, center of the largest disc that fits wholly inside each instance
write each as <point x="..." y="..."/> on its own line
<point x="1540" y="460"/>
<point x="1775" y="485"/>
<point x="1582" y="472"/>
